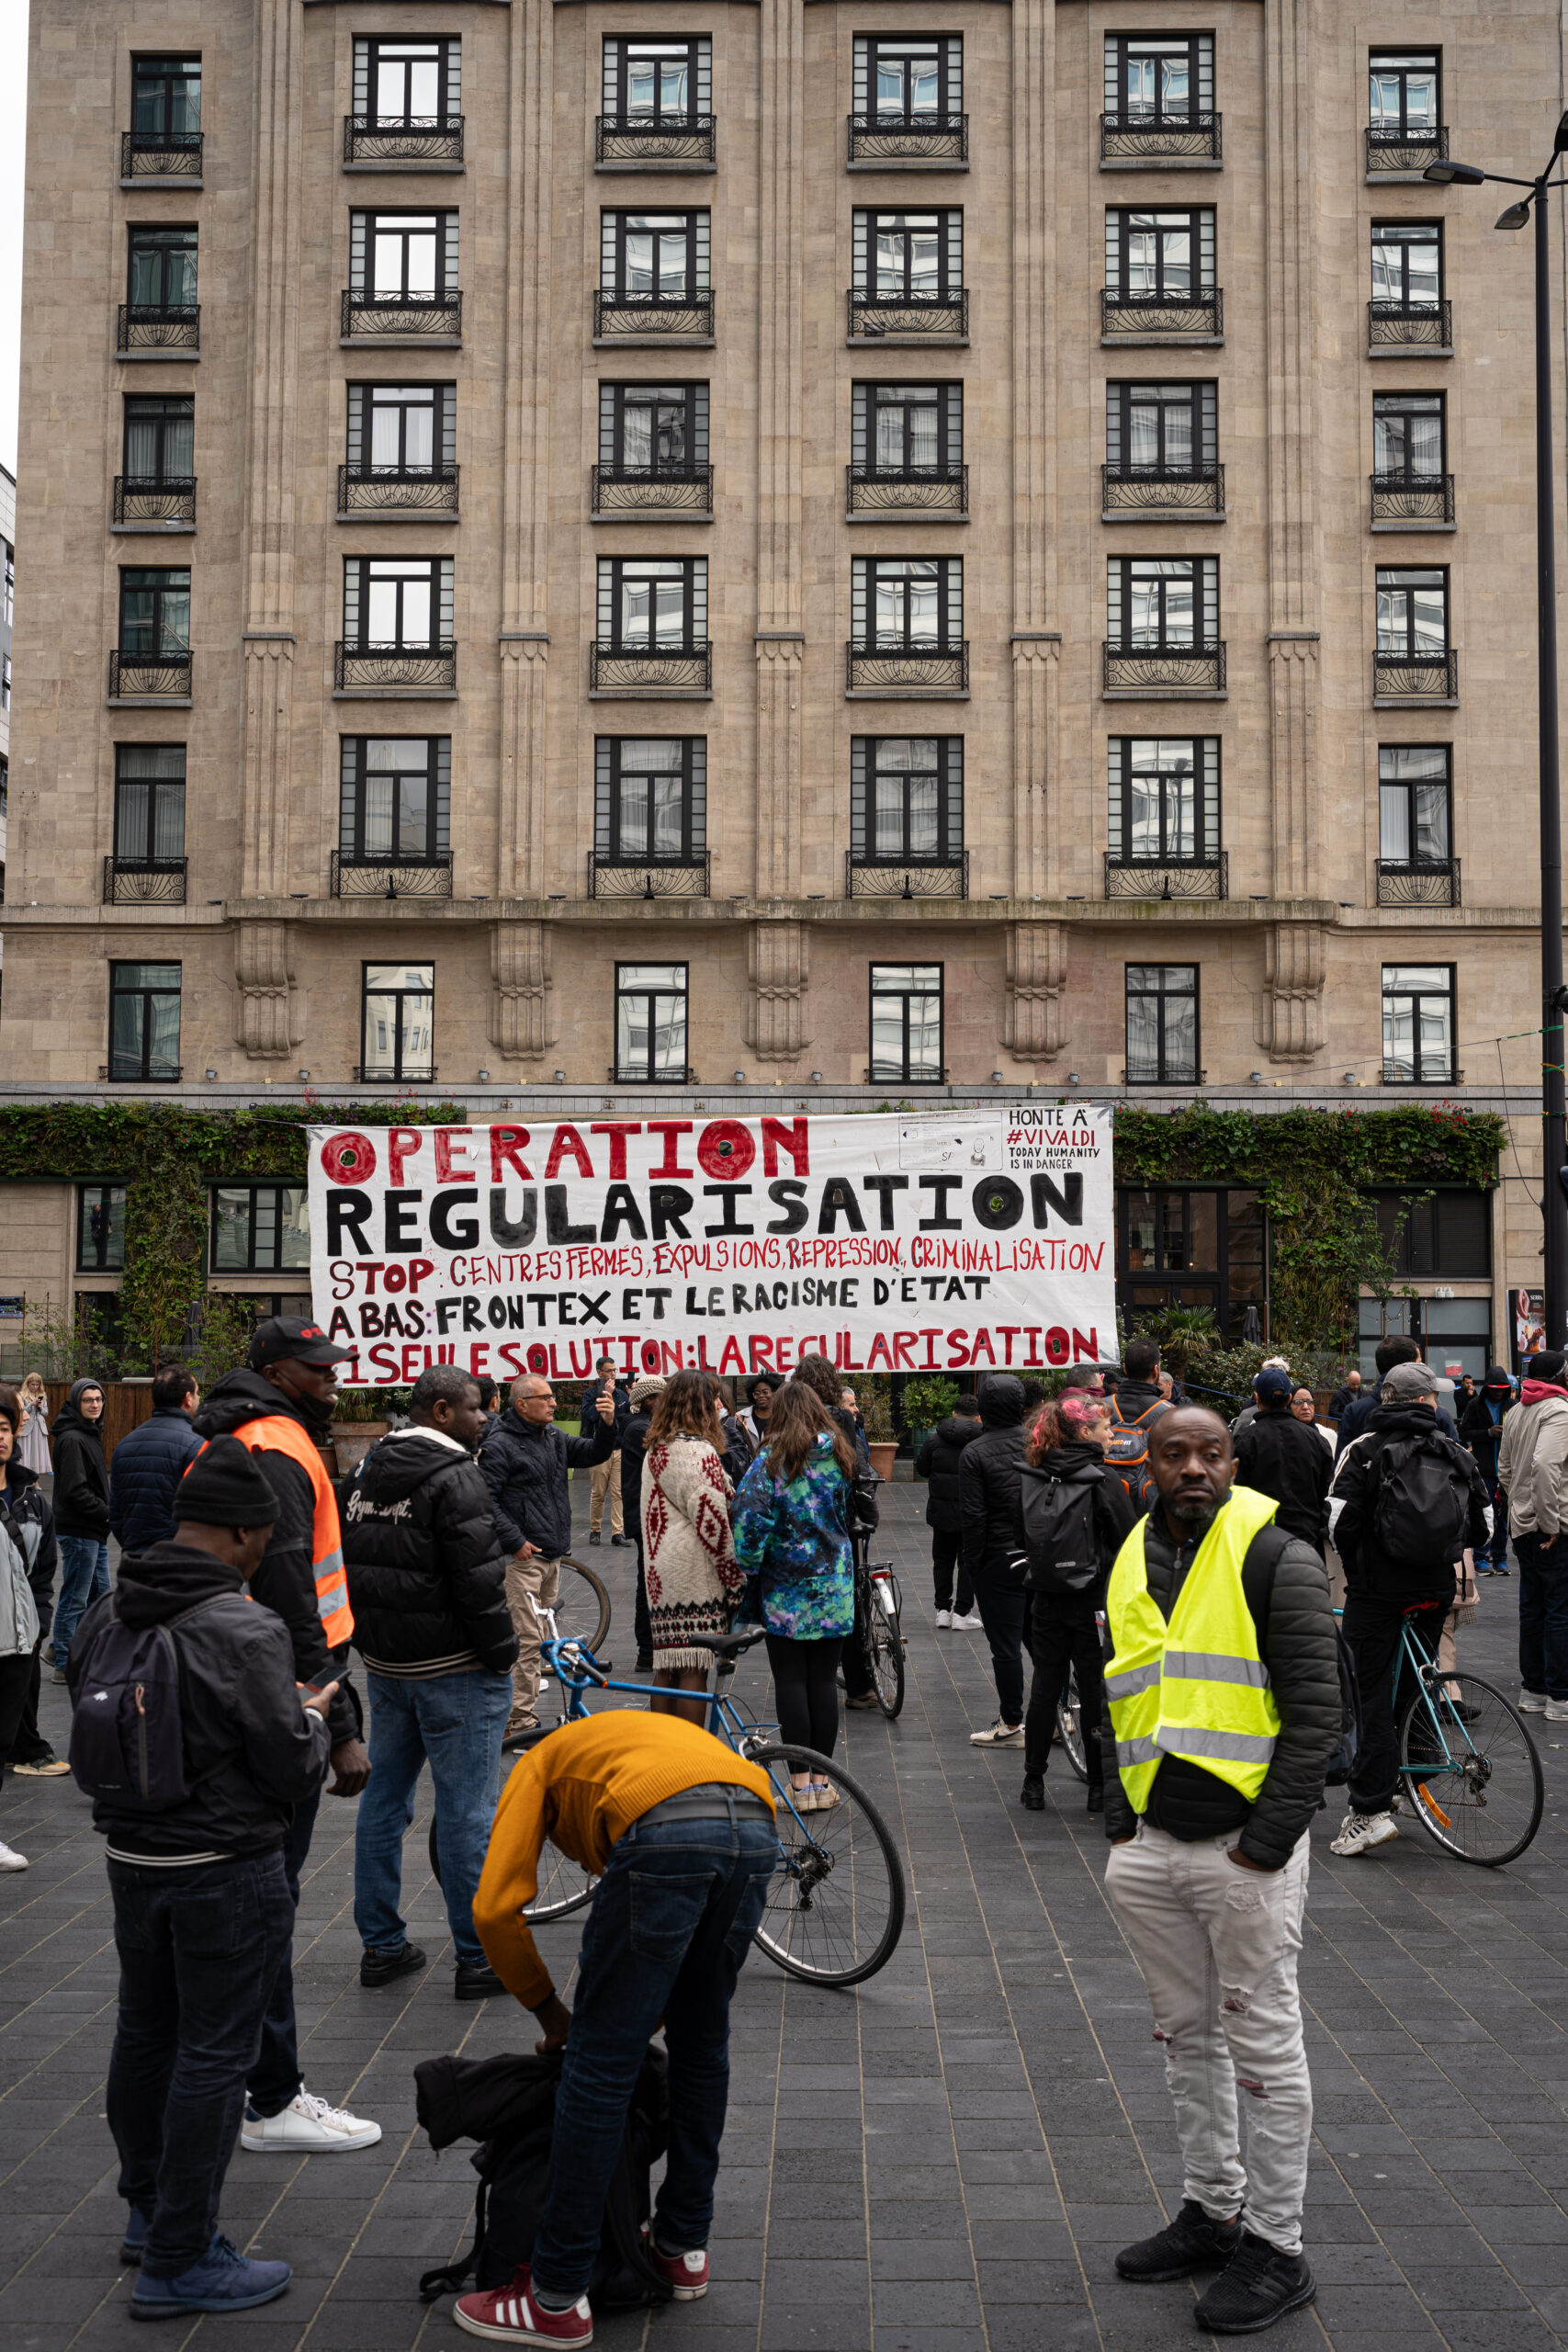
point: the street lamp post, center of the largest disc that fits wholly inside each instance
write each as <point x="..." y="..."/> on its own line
<point x="1555" y="1097"/>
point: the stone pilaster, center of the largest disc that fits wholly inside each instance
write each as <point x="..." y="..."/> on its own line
<point x="1295" y="964"/>
<point x="781" y="287"/>
<point x="1036" y="978"/>
<point x="778" y="965"/>
<point x="263" y="973"/>
<point x="1036" y="666"/>
<point x="525" y="478"/>
<point x="1037" y="819"/>
<point x="525" y="675"/>
<point x="520" y="1025"/>
<point x="263" y="807"/>
<point x="780" y="663"/>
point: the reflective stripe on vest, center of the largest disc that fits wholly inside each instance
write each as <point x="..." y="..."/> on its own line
<point x="277" y="1434"/>
<point x="1197" y="1687"/>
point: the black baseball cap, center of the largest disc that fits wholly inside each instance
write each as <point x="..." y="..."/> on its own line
<point x="279" y="1336"/>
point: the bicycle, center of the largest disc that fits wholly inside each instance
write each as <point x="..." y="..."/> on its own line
<point x="879" y="1616"/>
<point x="582" y="1605"/>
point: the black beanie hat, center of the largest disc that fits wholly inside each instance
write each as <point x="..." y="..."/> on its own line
<point x="226" y="1486"/>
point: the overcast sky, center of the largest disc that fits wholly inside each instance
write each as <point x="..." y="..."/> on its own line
<point x="13" y="120"/>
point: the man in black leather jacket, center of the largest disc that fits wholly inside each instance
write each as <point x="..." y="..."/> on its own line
<point x="990" y="1511"/>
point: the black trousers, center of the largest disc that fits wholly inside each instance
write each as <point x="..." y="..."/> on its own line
<point x="1373" y="1627"/>
<point x="1063" y="1633"/>
<point x="18" y="1678"/>
<point x="641" y="1622"/>
<point x="805" y="1683"/>
<point x="1004" y="1612"/>
<point x="30" y="1746"/>
<point x="274" y="2078"/>
<point x="945" y="1560"/>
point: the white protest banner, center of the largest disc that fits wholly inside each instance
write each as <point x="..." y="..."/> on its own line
<point x="959" y="1240"/>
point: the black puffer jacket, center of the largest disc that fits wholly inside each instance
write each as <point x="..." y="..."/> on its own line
<point x="81" y="1472"/>
<point x="1294" y="1617"/>
<point x="426" y="1573"/>
<point x="938" y="1461"/>
<point x="990" y="1492"/>
<point x="1366" y="1568"/>
<point x="525" y="1465"/>
<point x="1276" y="1455"/>
<point x="30" y="1522"/>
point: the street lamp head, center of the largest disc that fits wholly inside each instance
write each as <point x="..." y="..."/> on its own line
<point x="1559" y="143"/>
<point x="1447" y="173"/>
<point x="1517" y="216"/>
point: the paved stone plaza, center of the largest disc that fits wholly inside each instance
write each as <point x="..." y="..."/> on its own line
<point x="943" y="2162"/>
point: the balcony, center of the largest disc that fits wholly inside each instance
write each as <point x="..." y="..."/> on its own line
<point x="1413" y="502"/>
<point x="654" y="670"/>
<point x="683" y="320"/>
<point x="1393" y="155"/>
<point x="638" y="142"/>
<point x="912" y="495"/>
<point x="946" y="878"/>
<point x="402" y="670"/>
<point x="145" y="504"/>
<point x="412" y="1074"/>
<point x="1162" y="494"/>
<point x="150" y="677"/>
<point x="1418" y="882"/>
<point x="1400" y="680"/>
<point x="116" y="1074"/>
<point x="1130" y="143"/>
<point x="633" y="495"/>
<point x="1178" y="877"/>
<point x="417" y="143"/>
<point x="151" y="156"/>
<point x="1395" y="332"/>
<point x="390" y="877"/>
<point x="930" y="143"/>
<point x="430" y="319"/>
<point x="145" y="882"/>
<point x="1175" y="671"/>
<point x="155" y="330"/>
<point x="390" y="496"/>
<point x="909" y="318"/>
<point x="1127" y="319"/>
<point x="615" y="877"/>
<point x="678" y="1074"/>
<point x="872" y="668"/>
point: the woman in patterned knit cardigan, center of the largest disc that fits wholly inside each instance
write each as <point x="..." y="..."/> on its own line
<point x="694" y="1581"/>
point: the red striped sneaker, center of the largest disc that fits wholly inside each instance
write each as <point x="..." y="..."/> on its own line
<point x="685" y="2275"/>
<point x="511" y="2316"/>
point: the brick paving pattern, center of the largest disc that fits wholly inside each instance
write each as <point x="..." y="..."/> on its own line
<point x="943" y="2162"/>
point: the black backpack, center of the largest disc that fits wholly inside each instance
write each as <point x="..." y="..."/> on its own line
<point x="511" y="2102"/>
<point x="126" y="1741"/>
<point x="1421" y="1510"/>
<point x="1059" y="1530"/>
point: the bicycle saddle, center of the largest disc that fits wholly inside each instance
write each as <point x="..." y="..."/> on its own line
<point x="725" y="1645"/>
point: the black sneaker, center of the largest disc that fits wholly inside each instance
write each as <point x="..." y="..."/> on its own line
<point x="617" y="1541"/>
<point x="1258" y="2286"/>
<point x="384" y="1967"/>
<point x="593" y="1536"/>
<point x="476" y="1980"/>
<point x="1031" y="1796"/>
<point x="1193" y="2241"/>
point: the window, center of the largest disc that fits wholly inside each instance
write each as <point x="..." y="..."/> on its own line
<point x="909" y="256"/>
<point x="1152" y="79"/>
<point x="399" y="1022"/>
<point x="1408" y="436"/>
<point x="1162" y="1024"/>
<point x="166" y="97"/>
<point x="144" y="1021"/>
<point x="905" y="432"/>
<point x="649" y="83"/>
<point x="149" y="804"/>
<point x="1164" y="800"/>
<point x="260" y="1229"/>
<point x="906" y="799"/>
<point x="905" y="1024"/>
<point x="649" y="799"/>
<point x="406" y="85"/>
<point x="100" y="1228"/>
<point x="159" y="438"/>
<point x="403" y="256"/>
<point x="402" y="428"/>
<point x="1445" y="1233"/>
<point x="650" y="1025"/>
<point x="1413" y="804"/>
<point x="1417" y="1025"/>
<point x="394" y="797"/>
<point x="1160" y="256"/>
<point x="653" y="257"/>
<point x="163" y="269"/>
<point x="900" y="603"/>
<point x="1413" y="614"/>
<point x="399" y="604"/>
<point x="154" y="612"/>
<point x="1405" y="93"/>
<point x="8" y="584"/>
<point x="1187" y="1247"/>
<point x="653" y="604"/>
<point x="653" y="431"/>
<point x="1408" y="265"/>
<point x="1155" y="603"/>
<point x="906" y="78"/>
<point x="1161" y="430"/>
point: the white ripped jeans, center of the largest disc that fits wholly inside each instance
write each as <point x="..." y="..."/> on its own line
<point x="1217" y="1945"/>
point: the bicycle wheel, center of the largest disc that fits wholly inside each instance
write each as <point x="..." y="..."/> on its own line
<point x="582" y="1606"/>
<point x="835" y="1909"/>
<point x="564" y="1885"/>
<point x="1069" y="1726"/>
<point x="1468" y="1770"/>
<point x="884" y="1652"/>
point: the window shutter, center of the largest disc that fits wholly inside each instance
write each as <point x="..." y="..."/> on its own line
<point x="449" y="252"/>
<point x="454" y="77"/>
<point x="953" y="396"/>
<point x="1114" y="587"/>
<point x="859" y="745"/>
<point x="352" y="752"/>
<point x="442" y="780"/>
<point x="1208" y="424"/>
<point x="607" y="424"/>
<point x="954" y="247"/>
<point x="862" y="75"/>
<point x="357" y="452"/>
<point x="607" y="569"/>
<point x="1118" y="761"/>
<point x="704" y="77"/>
<point x="952" y="763"/>
<point x="357" y="252"/>
<point x="1209" y="597"/>
<point x="859" y="403"/>
<point x="860" y="567"/>
<point x="1209" y="774"/>
<point x="1112" y="75"/>
<point x="1115" y="403"/>
<point x="697" y="759"/>
<point x="610" y="85"/>
<point x="444" y="586"/>
<point x="1205" y="226"/>
<point x="608" y="279"/>
<point x="697" y="396"/>
<point x="702" y="222"/>
<point x="1113" y="278"/>
<point x="604" y="752"/>
<point x="698" y="576"/>
<point x="955" y="63"/>
<point x="860" y="232"/>
<point x="953" y="601"/>
<point x="1204" y="77"/>
<point x="361" y="76"/>
<point x="447" y="403"/>
<point x="351" y="594"/>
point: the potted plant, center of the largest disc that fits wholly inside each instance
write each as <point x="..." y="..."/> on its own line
<point x="357" y="1421"/>
<point x="928" y="1399"/>
<point x="875" y="1400"/>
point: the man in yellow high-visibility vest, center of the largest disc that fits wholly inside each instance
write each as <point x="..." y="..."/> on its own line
<point x="1223" y="1705"/>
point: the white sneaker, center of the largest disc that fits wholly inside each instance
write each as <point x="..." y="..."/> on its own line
<point x="1533" y="1702"/>
<point x="11" y="1860"/>
<point x="1557" y="1711"/>
<point x="944" y="1619"/>
<point x="970" y="1625"/>
<point x="1359" y="1832"/>
<point x="1000" y="1734"/>
<point x="306" y="2127"/>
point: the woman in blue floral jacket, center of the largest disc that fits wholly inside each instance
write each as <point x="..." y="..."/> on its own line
<point x="791" y="1533"/>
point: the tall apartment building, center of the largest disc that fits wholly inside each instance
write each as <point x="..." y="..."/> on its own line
<point x="617" y="546"/>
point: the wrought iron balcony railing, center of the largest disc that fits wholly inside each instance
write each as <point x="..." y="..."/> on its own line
<point x="382" y="490"/>
<point x="1404" y="153"/>
<point x="1150" y="493"/>
<point x="390" y="877"/>
<point x="396" y="669"/>
<point x="410" y="1074"/>
<point x="679" y="1074"/>
<point x="1410" y="500"/>
<point x="1415" y="677"/>
<point x="1162" y="317"/>
<point x="160" y="156"/>
<point x="637" y="142"/>
<point x="1394" y="327"/>
<point x="938" y="141"/>
<point x="916" y="490"/>
<point x="119" y="1072"/>
<point x="664" y="318"/>
<point x="895" y="1074"/>
<point x="920" y="878"/>
<point x="157" y="326"/>
<point x="909" y="318"/>
<point x="1171" y="877"/>
<point x="145" y="882"/>
<point x="1165" y="669"/>
<point x="621" y="877"/>
<point x="627" y="491"/>
<point x="1131" y="139"/>
<point x="142" y="500"/>
<point x="650" y="669"/>
<point x="152" y="677"/>
<point x="873" y="667"/>
<point x="414" y="141"/>
<point x="1418" y="882"/>
<point x="415" y="318"/>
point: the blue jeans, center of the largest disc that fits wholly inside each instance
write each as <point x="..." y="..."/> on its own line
<point x="199" y="1950"/>
<point x="669" y="1927"/>
<point x="1543" y="1615"/>
<point x="84" y="1578"/>
<point x="456" y="1722"/>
